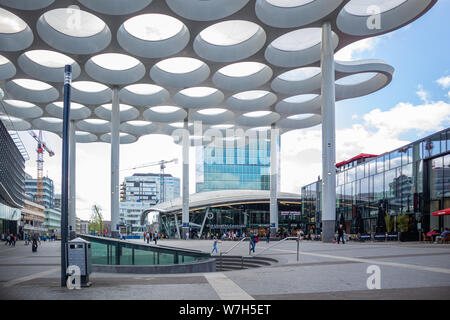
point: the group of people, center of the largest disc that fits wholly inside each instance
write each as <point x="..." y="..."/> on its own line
<point x="148" y="236"/>
<point x="10" y="240"/>
<point x="439" y="237"/>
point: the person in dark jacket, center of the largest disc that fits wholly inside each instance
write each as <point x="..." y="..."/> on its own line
<point x="340" y="233"/>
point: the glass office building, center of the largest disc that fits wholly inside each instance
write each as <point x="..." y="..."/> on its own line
<point x="48" y="195"/>
<point x="12" y="177"/>
<point x="244" y="167"/>
<point x="397" y="191"/>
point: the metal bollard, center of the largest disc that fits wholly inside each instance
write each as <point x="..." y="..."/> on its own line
<point x="298" y="249"/>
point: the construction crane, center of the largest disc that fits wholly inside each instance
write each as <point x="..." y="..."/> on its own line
<point x="162" y="166"/>
<point x="41" y="146"/>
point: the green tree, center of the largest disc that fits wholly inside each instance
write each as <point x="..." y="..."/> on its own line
<point x="96" y="222"/>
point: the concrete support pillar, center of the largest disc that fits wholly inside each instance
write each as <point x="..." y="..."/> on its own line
<point x="328" y="135"/>
<point x="274" y="134"/>
<point x="185" y="195"/>
<point x="72" y="180"/>
<point x="115" y="148"/>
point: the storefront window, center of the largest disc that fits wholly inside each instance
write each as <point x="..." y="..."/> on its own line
<point x="351" y="175"/>
<point x="448" y="140"/>
<point x="378" y="187"/>
<point x="432" y="146"/>
<point x="436" y="178"/>
<point x="372" y="166"/>
<point x="395" y="159"/>
<point x="360" y="171"/>
<point x="390" y="184"/>
<point x="380" y="163"/>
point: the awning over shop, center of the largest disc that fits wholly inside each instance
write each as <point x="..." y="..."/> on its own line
<point x="442" y="212"/>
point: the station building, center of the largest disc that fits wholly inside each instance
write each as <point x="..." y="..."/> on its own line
<point x="229" y="210"/>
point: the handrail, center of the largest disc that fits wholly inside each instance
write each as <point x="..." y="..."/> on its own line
<point x="281" y="241"/>
<point x="226" y="252"/>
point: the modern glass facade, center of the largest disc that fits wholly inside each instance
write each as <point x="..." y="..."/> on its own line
<point x="395" y="192"/>
<point x="48" y="190"/>
<point x="12" y="176"/>
<point x="236" y="167"/>
<point x="142" y="190"/>
<point x="52" y="220"/>
<point x="240" y="217"/>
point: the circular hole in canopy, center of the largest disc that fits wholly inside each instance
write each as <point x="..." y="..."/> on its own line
<point x="165" y="109"/>
<point x="89" y="86"/>
<point x="74" y="22"/>
<point x="153" y="27"/>
<point x="198" y="92"/>
<point x="10" y="23"/>
<point x="31" y="84"/>
<point x="212" y="111"/>
<point x="251" y="95"/>
<point x="300" y="74"/>
<point x="179" y="65"/>
<point x="115" y="61"/>
<point x="363" y="7"/>
<point x="301" y="116"/>
<point x="144" y="89"/>
<point x="228" y="33"/>
<point x="289" y="3"/>
<point x="242" y="69"/>
<point x="48" y="58"/>
<point x="300" y="98"/>
<point x="298" y="40"/>
<point x="257" y="114"/>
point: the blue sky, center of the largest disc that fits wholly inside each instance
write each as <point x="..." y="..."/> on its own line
<point x="420" y="54"/>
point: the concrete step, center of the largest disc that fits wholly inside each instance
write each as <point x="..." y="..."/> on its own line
<point x="228" y="263"/>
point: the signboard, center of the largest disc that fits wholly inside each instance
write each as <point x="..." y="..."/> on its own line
<point x="226" y="226"/>
<point x="290" y="213"/>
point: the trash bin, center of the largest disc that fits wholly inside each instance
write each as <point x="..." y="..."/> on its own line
<point x="79" y="254"/>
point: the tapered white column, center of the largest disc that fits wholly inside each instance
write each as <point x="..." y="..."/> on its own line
<point x="115" y="148"/>
<point x="274" y="134"/>
<point x="185" y="212"/>
<point x="72" y="180"/>
<point x="328" y="135"/>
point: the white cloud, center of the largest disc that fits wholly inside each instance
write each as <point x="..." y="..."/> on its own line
<point x="353" y="50"/>
<point x="379" y="132"/>
<point x="444" y="82"/>
<point x="422" y="94"/>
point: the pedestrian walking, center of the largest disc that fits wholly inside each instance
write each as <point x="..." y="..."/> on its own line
<point x="268" y="235"/>
<point x="148" y="238"/>
<point x="34" y="244"/>
<point x="215" y="245"/>
<point x="252" y="241"/>
<point x="340" y="234"/>
<point x="145" y="238"/>
<point x="155" y="238"/>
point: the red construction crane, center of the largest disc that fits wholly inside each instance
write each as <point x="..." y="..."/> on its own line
<point x="41" y="146"/>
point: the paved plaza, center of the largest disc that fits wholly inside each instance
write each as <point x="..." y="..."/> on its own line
<point x="325" y="271"/>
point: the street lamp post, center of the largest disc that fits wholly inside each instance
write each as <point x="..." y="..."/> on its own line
<point x="65" y="173"/>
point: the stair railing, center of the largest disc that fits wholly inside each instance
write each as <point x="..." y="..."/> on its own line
<point x="280" y="242"/>
<point x="229" y="250"/>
